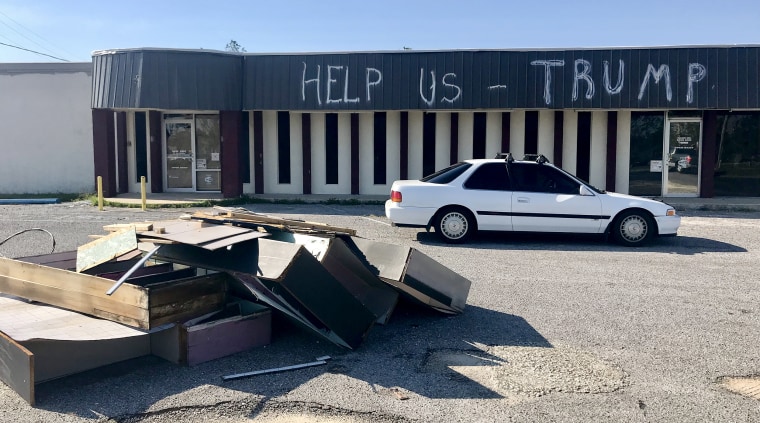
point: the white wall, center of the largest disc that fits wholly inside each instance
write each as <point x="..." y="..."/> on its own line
<point x="415" y="144"/>
<point x="46" y="135"/>
<point x="570" y="141"/>
<point x="623" y="149"/>
<point x="546" y="134"/>
<point x="517" y="134"/>
<point x="442" y="140"/>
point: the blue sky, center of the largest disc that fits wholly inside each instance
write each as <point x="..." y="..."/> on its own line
<point x="73" y="29"/>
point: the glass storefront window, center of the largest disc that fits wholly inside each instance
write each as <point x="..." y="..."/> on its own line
<point x="646" y="153"/>
<point x="737" y="155"/>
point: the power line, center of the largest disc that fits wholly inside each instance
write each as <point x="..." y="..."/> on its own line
<point x="21" y="26"/>
<point x="32" y="51"/>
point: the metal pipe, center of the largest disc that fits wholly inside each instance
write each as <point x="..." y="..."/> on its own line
<point x="132" y="270"/>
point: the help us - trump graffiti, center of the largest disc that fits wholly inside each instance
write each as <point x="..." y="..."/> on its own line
<point x="580" y="79"/>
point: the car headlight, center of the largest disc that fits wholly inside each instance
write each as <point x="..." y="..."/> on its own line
<point x="670" y="212"/>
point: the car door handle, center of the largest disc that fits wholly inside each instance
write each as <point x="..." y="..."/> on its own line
<point x="523" y="200"/>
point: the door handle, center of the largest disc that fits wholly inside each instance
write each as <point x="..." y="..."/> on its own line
<point x="523" y="200"/>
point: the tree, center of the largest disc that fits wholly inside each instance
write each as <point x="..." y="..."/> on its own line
<point x="234" y="46"/>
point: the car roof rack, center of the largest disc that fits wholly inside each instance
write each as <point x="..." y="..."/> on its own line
<point x="538" y="158"/>
<point x="506" y="156"/>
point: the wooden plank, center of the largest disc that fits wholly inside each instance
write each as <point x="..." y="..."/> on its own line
<point x="105" y="249"/>
<point x="215" y="245"/>
<point x="228" y="336"/>
<point x="258" y="218"/>
<point x="46" y="259"/>
<point x="17" y="370"/>
<point x="75" y="301"/>
<point x="185" y="310"/>
<point x="82" y="284"/>
<point x="201" y="235"/>
<point x="139" y="227"/>
<point x="170" y="292"/>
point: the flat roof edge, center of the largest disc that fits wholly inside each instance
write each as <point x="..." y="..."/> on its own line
<point x="412" y="51"/>
<point x="44" y="67"/>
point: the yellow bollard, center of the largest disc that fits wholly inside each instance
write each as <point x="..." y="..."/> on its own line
<point x="142" y="193"/>
<point x="100" y="193"/>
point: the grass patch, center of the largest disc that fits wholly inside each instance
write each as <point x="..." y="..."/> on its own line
<point x="62" y="197"/>
<point x="229" y="202"/>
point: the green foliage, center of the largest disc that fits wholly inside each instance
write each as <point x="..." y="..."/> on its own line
<point x="234" y="46"/>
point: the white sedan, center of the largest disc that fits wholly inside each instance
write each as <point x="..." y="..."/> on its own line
<point x="523" y="196"/>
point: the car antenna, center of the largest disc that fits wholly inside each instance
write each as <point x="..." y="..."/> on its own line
<point x="541" y="159"/>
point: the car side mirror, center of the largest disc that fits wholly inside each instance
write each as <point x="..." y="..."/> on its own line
<point x="585" y="191"/>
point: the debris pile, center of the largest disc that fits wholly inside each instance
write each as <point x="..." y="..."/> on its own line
<point x="203" y="287"/>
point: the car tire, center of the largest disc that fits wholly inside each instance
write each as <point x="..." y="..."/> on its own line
<point x="633" y="228"/>
<point x="455" y="225"/>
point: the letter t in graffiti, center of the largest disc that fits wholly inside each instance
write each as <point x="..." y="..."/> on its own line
<point x="548" y="64"/>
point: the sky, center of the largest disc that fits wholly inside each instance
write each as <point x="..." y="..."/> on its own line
<point x="70" y="30"/>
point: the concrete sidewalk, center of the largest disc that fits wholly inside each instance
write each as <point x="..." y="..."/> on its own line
<point x="736" y="204"/>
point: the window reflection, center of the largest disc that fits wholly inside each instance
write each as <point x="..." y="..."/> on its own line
<point x="737" y="155"/>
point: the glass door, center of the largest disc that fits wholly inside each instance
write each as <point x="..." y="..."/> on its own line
<point x="680" y="176"/>
<point x="179" y="154"/>
<point x="208" y="165"/>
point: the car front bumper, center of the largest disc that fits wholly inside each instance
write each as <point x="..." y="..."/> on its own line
<point x="668" y="225"/>
<point x="408" y="216"/>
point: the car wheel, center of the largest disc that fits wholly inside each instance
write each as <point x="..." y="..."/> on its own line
<point x="454" y="225"/>
<point x="633" y="228"/>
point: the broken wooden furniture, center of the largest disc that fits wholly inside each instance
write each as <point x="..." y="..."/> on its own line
<point x="240" y="326"/>
<point x="40" y="343"/>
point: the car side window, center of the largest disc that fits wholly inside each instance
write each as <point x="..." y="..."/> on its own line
<point x="539" y="178"/>
<point x="490" y="176"/>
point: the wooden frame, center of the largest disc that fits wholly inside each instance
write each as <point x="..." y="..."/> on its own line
<point x="144" y="307"/>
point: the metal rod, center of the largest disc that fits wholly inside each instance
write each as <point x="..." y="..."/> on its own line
<point x="132" y="270"/>
<point x="275" y="370"/>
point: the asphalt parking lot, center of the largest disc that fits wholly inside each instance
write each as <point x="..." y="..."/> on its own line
<point x="557" y="328"/>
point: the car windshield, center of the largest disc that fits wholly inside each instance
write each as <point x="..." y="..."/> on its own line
<point x="444" y="176"/>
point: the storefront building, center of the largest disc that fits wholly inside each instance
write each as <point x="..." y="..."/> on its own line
<point x="677" y="121"/>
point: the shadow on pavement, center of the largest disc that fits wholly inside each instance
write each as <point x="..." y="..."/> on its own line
<point x="581" y="242"/>
<point x="396" y="355"/>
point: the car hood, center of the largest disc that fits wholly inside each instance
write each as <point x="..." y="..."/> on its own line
<point x="657" y="207"/>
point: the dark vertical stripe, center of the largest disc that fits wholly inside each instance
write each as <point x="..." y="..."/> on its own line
<point x="258" y="152"/>
<point x="245" y="148"/>
<point x="479" y="135"/>
<point x="331" y="148"/>
<point x="612" y="124"/>
<point x="156" y="151"/>
<point x="306" y="147"/>
<point x="583" y="161"/>
<point x="121" y="151"/>
<point x="229" y="128"/>
<point x="707" y="157"/>
<point x="283" y="147"/>
<point x="454" y="151"/>
<point x="531" y="132"/>
<point x="141" y="146"/>
<point x="559" y="136"/>
<point x="104" y="150"/>
<point x="404" y="147"/>
<point x="506" y="127"/>
<point x="428" y="143"/>
<point x="380" y="141"/>
<point x="354" y="153"/>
